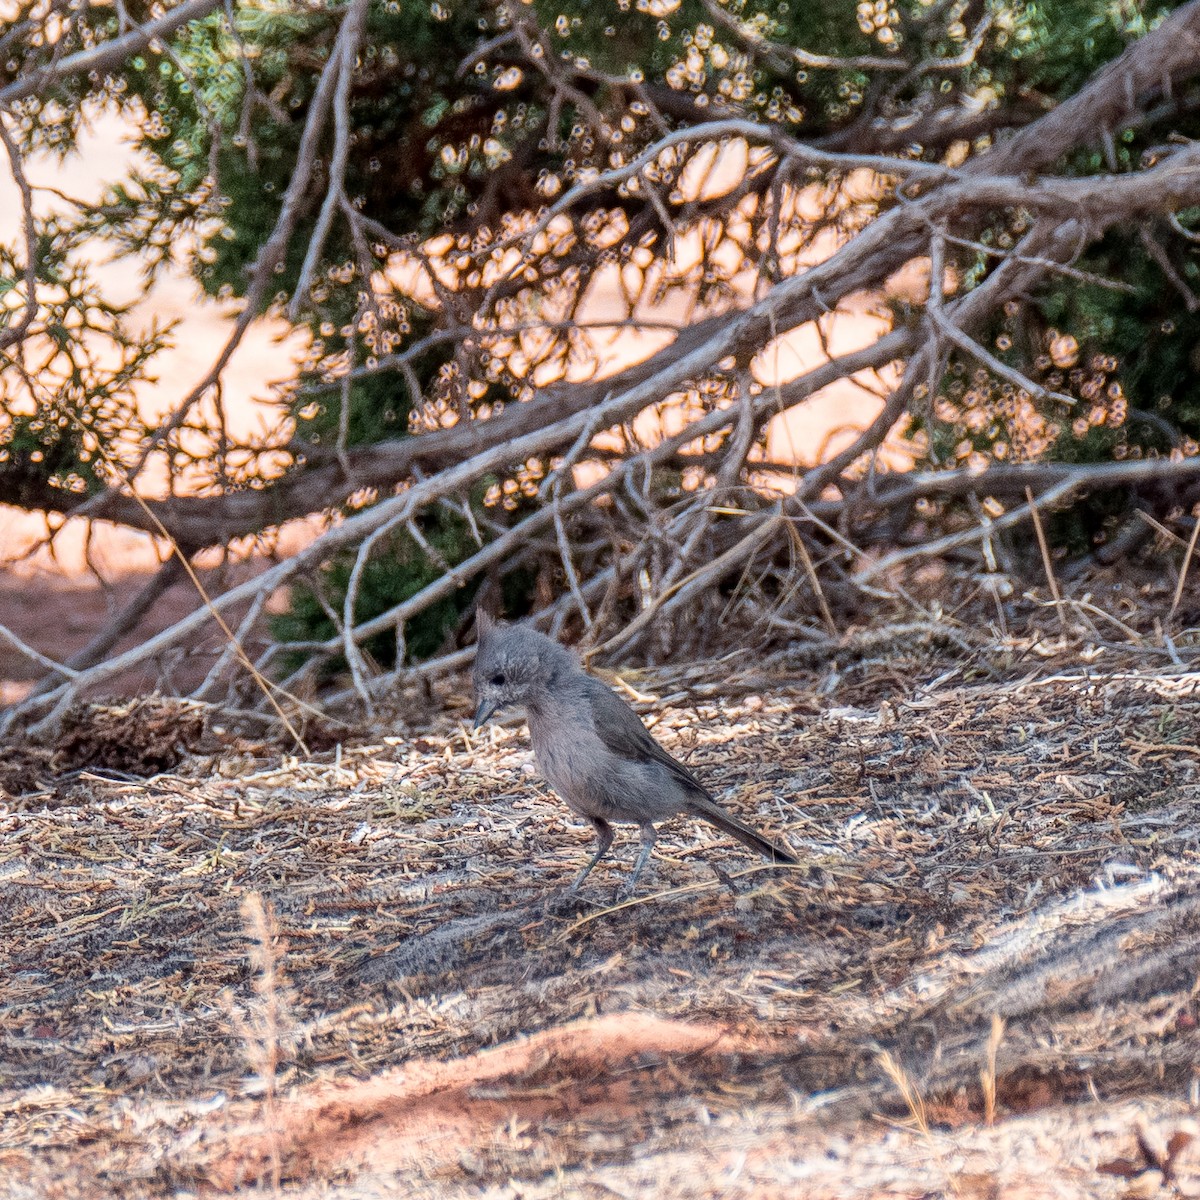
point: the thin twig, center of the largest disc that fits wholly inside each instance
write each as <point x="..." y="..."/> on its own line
<point x="1047" y="565"/>
<point x="700" y="579"/>
<point x="22" y="647"/>
<point x="14" y="333"/>
<point x="564" y="553"/>
<point x="1183" y="572"/>
<point x="354" y="658"/>
<point x="965" y="537"/>
<point x="970" y="346"/>
<point x="342" y="60"/>
<point x="107" y="56"/>
<point x="229" y="652"/>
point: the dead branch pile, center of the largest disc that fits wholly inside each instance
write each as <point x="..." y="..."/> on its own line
<point x="631" y="568"/>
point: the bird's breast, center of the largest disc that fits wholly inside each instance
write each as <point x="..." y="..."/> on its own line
<point x="554" y="761"/>
<point x="596" y="782"/>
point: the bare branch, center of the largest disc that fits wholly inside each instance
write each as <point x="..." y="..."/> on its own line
<point x="966" y="537"/>
<point x="22" y="647"/>
<point x="14" y="333"/>
<point x="971" y="347"/>
<point x="342" y="62"/>
<point x="1170" y="52"/>
<point x="1084" y="208"/>
<point x="485" y="297"/>
<point x="98" y="60"/>
<point x="792" y="56"/>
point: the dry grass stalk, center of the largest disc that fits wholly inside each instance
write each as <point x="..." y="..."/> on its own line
<point x="987" y="1077"/>
<point x="234" y="642"/>
<point x="909" y="1092"/>
<point x="814" y="580"/>
<point x="918" y="1114"/>
<point x="266" y="1026"/>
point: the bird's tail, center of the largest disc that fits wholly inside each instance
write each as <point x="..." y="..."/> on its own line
<point x="712" y="812"/>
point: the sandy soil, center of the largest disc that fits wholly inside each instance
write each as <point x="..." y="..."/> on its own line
<point x="980" y="983"/>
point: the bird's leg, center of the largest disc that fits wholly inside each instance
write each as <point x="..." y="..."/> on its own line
<point x="604" y="832"/>
<point x="649" y="837"/>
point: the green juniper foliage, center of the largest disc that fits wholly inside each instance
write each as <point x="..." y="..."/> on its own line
<point x="398" y="572"/>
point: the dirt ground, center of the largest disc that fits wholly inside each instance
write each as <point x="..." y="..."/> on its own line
<point x="351" y="976"/>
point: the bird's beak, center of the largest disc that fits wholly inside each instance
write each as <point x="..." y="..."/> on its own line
<point x="484" y="712"/>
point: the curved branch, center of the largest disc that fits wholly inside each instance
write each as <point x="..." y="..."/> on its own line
<point x="99" y="60"/>
<point x="1162" y="58"/>
<point x="14" y="333"/>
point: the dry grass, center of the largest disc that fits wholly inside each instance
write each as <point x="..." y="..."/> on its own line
<point x="982" y="983"/>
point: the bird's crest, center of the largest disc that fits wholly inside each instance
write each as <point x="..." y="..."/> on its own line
<point x="485" y="625"/>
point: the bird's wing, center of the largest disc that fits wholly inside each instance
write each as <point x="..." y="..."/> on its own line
<point x="619" y="728"/>
<point x="622" y="731"/>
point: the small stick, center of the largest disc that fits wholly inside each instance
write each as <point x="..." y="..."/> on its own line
<point x="1183" y="572"/>
<point x="811" y="571"/>
<point x="1049" y="568"/>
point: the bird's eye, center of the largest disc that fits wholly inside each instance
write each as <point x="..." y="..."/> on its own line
<point x="498" y="681"/>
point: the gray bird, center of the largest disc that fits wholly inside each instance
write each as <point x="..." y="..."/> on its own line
<point x="590" y="745"/>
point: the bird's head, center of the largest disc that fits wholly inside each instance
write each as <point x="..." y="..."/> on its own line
<point x="514" y="665"/>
